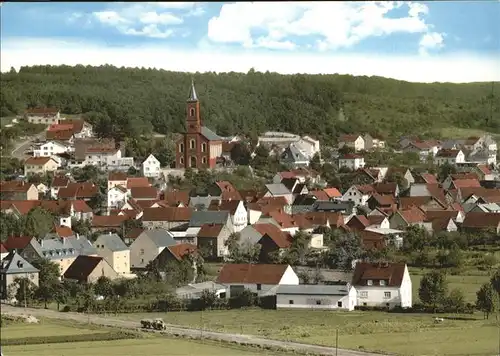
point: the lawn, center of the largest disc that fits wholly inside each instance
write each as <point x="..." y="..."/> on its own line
<point x="43" y="328"/>
<point x="404" y="334"/>
<point x="468" y="283"/>
<point x="136" y="347"/>
<point x="458" y="132"/>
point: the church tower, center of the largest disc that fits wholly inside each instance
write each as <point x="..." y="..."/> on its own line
<point x="193" y="119"/>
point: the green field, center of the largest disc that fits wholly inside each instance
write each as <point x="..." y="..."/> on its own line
<point x="150" y="344"/>
<point x="403" y="334"/>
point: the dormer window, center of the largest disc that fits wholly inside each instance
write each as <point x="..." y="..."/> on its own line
<point x="369" y="282"/>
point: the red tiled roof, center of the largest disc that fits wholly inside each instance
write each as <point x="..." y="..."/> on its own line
<point x="285" y="221"/>
<point x="108" y="220"/>
<point x="37" y="161"/>
<point x="366" y="189"/>
<point x="375" y="219"/>
<point x="62" y="135"/>
<point x="251" y="273"/>
<point x="14" y="186"/>
<point x="466" y="183"/>
<point x="391" y="273"/>
<point x="144" y="192"/>
<point x="210" y="230"/>
<point x="167" y="214"/>
<point x="134" y="233"/>
<point x="225" y="186"/>
<point x="225" y="205"/>
<point x="59" y="181"/>
<point x="332" y="192"/>
<point x="78" y="190"/>
<point x="64" y="231"/>
<point x="348" y="138"/>
<point x="319" y="194"/>
<point x="372" y="240"/>
<point x="3" y="249"/>
<point x="181" y="250"/>
<point x="350" y="156"/>
<point x="17" y="242"/>
<point x="80" y="206"/>
<point x="407" y="202"/>
<point x="358" y="218"/>
<point x="481" y="220"/>
<point x="484" y="168"/>
<point x="447" y="153"/>
<point x="43" y="111"/>
<point x="274" y="233"/>
<point x="429" y="178"/>
<point x="412" y="215"/>
<point x="117" y="176"/>
<point x="319" y="218"/>
<point x="175" y="197"/>
<point x="133" y="182"/>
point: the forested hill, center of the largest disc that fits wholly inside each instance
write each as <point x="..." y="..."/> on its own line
<point x="135" y="101"/>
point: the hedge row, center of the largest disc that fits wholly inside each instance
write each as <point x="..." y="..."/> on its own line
<point x="421" y="309"/>
<point x="58" y="339"/>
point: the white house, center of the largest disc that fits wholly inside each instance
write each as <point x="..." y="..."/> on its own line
<point x="351" y="161"/>
<point x="306" y="296"/>
<point x="117" y="196"/>
<point x="151" y="167"/>
<point x="358" y="194"/>
<point x="356" y="142"/>
<point x="262" y="279"/>
<point x="449" y="156"/>
<point x="50" y="148"/>
<point x="102" y="156"/>
<point x="237" y="212"/>
<point x="112" y="248"/>
<point x="382" y="284"/>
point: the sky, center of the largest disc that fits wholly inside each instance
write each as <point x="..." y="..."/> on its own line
<point x="441" y="41"/>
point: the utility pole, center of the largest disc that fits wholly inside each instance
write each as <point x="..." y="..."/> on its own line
<point x="201" y="324"/>
<point x="24" y="288"/>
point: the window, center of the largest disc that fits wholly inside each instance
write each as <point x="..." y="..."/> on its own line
<point x="290" y="301"/>
<point x="364" y="304"/>
<point x="387" y="295"/>
<point x="142" y="251"/>
<point x="181" y="147"/>
<point x="339" y="304"/>
<point x="259" y="286"/>
<point x="192" y="144"/>
<point x="382" y="282"/>
<point x="318" y="302"/>
<point x="203" y="147"/>
<point x="181" y="160"/>
<point x="204" y="160"/>
<point x="369" y="282"/>
<point x="191" y="112"/>
<point x="363" y="294"/>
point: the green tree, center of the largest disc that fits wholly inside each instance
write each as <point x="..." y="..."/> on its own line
<point x="487" y="300"/>
<point x="103" y="287"/>
<point x="39" y="222"/>
<point x="299" y="247"/>
<point x="455" y="300"/>
<point x="445" y="170"/>
<point x="433" y="289"/>
<point x="208" y="299"/>
<point x="48" y="280"/>
<point x="240" y="154"/>
<point x="23" y="290"/>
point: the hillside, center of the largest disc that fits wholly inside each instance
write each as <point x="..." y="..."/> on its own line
<point x="138" y="101"/>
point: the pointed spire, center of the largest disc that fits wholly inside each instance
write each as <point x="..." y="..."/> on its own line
<point x="192" y="92"/>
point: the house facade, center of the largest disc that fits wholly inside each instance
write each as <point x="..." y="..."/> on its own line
<point x="199" y="147"/>
<point x="44" y="116"/>
<point x="151" y="167"/>
<point x="49" y="149"/>
<point x="356" y="142"/>
<point x="351" y="161"/>
<point x="148" y="245"/>
<point x="451" y="157"/>
<point x="311" y="297"/>
<point x="112" y="248"/>
<point x="382" y="285"/>
<point x="14" y="266"/>
<point x="40" y="165"/>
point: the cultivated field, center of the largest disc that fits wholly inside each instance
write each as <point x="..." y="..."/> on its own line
<point x="403" y="334"/>
<point x="149" y="344"/>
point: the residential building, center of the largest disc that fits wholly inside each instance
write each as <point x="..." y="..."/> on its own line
<point x="112" y="248"/>
<point x="44" y="116"/>
<point x="279" y="190"/>
<point x="382" y="284"/>
<point x="166" y="217"/>
<point x="449" y="156"/>
<point x="148" y="245"/>
<point x="151" y="167"/>
<point x="351" y="161"/>
<point x="40" y="165"/>
<point x="18" y="190"/>
<point x="196" y="290"/>
<point x="211" y="239"/>
<point x="237" y="211"/>
<point x="356" y="142"/>
<point x="359" y="194"/>
<point x="481" y="221"/>
<point x="118" y="178"/>
<point x="303" y="296"/>
<point x="199" y="147"/>
<point x="262" y="279"/>
<point x="88" y="269"/>
<point x="13" y="266"/>
<point x="117" y="197"/>
<point x="50" y="148"/>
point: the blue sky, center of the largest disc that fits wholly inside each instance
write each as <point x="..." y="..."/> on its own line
<point x="416" y="41"/>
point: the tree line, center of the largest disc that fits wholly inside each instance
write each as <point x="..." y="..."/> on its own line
<point x="133" y="102"/>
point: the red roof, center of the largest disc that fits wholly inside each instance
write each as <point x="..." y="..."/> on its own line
<point x="64" y="231"/>
<point x="484" y="168"/>
<point x="348" y="138"/>
<point x="3" y="249"/>
<point x="181" y="250"/>
<point x="413" y="215"/>
<point x="391" y="273"/>
<point x="481" y="220"/>
<point x="167" y="214"/>
<point x="251" y="273"/>
<point x="175" y="197"/>
<point x="133" y="182"/>
<point x="447" y="153"/>
<point x="350" y="156"/>
<point x="429" y="178"/>
<point x="59" y="181"/>
<point x="274" y="233"/>
<point x="43" y="111"/>
<point x="210" y="230"/>
<point x="466" y="183"/>
<point x="108" y="220"/>
<point x="144" y="192"/>
<point x="17" y="242"/>
<point x="332" y="192"/>
<point x="15" y="186"/>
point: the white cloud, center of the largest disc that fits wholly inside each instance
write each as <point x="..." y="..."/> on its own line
<point x="431" y="40"/>
<point x="147" y="19"/>
<point x="335" y="24"/>
<point x="457" y="68"/>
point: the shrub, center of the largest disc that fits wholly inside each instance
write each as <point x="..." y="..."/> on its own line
<point x="36" y="340"/>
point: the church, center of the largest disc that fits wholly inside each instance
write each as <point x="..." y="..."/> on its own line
<point x="199" y="147"/>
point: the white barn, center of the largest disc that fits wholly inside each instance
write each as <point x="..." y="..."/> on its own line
<point x="304" y="296"/>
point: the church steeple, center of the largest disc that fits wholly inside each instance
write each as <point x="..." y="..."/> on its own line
<point x="192" y="92"/>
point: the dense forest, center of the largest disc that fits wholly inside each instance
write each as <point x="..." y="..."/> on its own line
<point x="138" y="101"/>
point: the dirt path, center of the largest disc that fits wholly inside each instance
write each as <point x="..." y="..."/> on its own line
<point x="194" y="333"/>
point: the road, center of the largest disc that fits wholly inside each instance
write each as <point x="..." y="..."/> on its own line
<point x="20" y="147"/>
<point x="182" y="331"/>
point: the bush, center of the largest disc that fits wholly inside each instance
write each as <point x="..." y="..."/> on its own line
<point x="369" y="308"/>
<point x="57" y="339"/>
